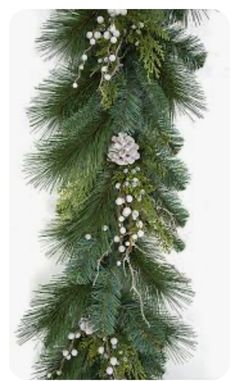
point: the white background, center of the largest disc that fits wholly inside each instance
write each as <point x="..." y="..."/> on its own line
<point x="206" y="259"/>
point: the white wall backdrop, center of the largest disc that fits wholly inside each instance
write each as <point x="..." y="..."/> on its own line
<point x="206" y="152"/>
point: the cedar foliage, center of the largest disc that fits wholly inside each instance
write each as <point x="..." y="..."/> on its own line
<point x="157" y="80"/>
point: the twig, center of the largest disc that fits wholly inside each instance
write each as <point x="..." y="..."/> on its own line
<point x="134" y="288"/>
<point x="62" y="362"/>
<point x="99" y="263"/>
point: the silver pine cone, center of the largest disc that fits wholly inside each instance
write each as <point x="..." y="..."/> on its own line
<point x="123" y="150"/>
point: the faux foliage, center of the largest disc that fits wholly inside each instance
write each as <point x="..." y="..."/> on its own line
<point x="140" y="302"/>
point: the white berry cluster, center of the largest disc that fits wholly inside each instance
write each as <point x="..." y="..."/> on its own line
<point x="117" y="12"/>
<point x="105" y="35"/>
<point x="123" y="150"/>
<point x="85" y="329"/>
<point x="130" y="225"/>
<point x="107" y="351"/>
<point x="94" y="36"/>
<point x="110" y="62"/>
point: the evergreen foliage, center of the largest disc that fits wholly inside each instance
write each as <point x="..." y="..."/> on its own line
<point x="139" y="302"/>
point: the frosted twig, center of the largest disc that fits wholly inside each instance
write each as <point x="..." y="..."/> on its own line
<point x="117" y="67"/>
<point x="78" y="76"/>
<point x="134" y="288"/>
<point x="124" y="270"/>
<point x="99" y="263"/>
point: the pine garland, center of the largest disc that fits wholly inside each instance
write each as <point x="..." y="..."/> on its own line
<point x="109" y="148"/>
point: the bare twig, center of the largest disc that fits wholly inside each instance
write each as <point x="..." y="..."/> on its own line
<point x="99" y="263"/>
<point x="134" y="288"/>
<point x="133" y="284"/>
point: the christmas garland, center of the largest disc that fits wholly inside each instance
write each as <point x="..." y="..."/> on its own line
<point x="108" y="146"/>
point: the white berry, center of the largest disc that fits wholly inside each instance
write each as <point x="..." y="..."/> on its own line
<point x="101" y="350"/>
<point x="89" y="35"/>
<point x="119" y="201"/>
<point x="77" y="335"/>
<point x="112" y="58"/>
<point x="104" y="69"/>
<point x="59" y="372"/>
<point x="107" y="35"/>
<point x="65" y="352"/>
<point x="140" y="233"/>
<point x="88" y="237"/>
<point x="114" y="341"/>
<point x="126" y="211"/>
<point x="121" y="249"/>
<point x="135" y="214"/>
<point x="123" y="12"/>
<point x="129" y="198"/>
<point x="68" y="357"/>
<point x="116" y="238"/>
<point x="113" y="40"/>
<point x="116" y="33"/>
<point x="81" y="67"/>
<point x="92" y="41"/>
<point x="100" y="60"/>
<point x="134" y="237"/>
<point x="100" y="19"/>
<point x="127" y="243"/>
<point x="109" y="370"/>
<point x="121" y="219"/>
<point x="105" y="228"/>
<point x="97" y="35"/>
<point x="113" y="361"/>
<point x="112" y="12"/>
<point x="117" y="186"/>
<point x="84" y="57"/>
<point x="126" y="170"/>
<point x="107" y="77"/>
<point x="75" y="85"/>
<point x="49" y="375"/>
<point x="122" y="230"/>
<point x="74" y="352"/>
<point x="71" y="336"/>
<point x="118" y="263"/>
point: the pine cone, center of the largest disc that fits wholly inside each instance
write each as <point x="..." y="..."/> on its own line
<point x="123" y="150"/>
